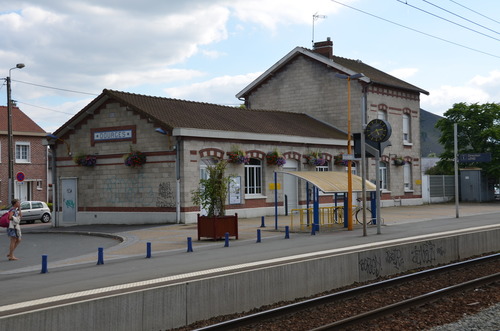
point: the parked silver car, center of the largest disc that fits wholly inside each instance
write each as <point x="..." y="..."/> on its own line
<point x="32" y="211"/>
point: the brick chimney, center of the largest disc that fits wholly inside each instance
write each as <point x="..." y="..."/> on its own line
<point x="324" y="48"/>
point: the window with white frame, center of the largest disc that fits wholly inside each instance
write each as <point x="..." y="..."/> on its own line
<point x="23" y="152"/>
<point x="253" y="177"/>
<point x="324" y="167"/>
<point x="407" y="176"/>
<point x="382" y="114"/>
<point x="383" y="176"/>
<point x="406" y="128"/>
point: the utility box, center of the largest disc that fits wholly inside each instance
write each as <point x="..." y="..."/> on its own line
<point x="475" y="187"/>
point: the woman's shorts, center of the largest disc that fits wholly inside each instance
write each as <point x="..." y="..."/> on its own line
<point x="12" y="233"/>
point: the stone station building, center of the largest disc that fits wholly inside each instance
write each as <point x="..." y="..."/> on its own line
<point x="179" y="138"/>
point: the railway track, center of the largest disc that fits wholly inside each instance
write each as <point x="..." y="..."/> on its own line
<point x="355" y="306"/>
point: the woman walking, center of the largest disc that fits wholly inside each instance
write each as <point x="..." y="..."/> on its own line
<point x="14" y="229"/>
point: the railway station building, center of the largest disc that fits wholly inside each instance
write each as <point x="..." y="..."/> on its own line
<point x="133" y="159"/>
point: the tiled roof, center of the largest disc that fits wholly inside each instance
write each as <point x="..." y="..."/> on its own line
<point x="376" y="75"/>
<point x="174" y="113"/>
<point x="20" y="121"/>
<point x="338" y="64"/>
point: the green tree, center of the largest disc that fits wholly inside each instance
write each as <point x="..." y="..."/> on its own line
<point x="478" y="129"/>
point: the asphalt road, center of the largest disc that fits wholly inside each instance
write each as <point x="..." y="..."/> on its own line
<point x="34" y="244"/>
<point x="22" y="285"/>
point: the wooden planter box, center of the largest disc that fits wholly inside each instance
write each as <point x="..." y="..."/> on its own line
<point x="217" y="227"/>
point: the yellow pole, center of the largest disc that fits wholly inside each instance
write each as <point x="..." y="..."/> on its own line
<point x="349" y="162"/>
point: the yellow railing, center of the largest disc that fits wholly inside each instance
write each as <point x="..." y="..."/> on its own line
<point x="328" y="216"/>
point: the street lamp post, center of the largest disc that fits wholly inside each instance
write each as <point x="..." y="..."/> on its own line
<point x="10" y="134"/>
<point x="349" y="140"/>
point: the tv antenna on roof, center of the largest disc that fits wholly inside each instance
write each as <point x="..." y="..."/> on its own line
<point x="315" y="18"/>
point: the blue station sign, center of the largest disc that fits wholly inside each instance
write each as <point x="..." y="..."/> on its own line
<point x="474" y="157"/>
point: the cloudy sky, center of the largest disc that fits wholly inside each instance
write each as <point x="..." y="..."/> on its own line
<point x="209" y="50"/>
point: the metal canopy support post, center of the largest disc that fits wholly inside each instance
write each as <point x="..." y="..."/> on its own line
<point x="275" y="200"/>
<point x="316" y="208"/>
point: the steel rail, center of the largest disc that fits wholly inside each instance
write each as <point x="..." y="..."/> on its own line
<point x="407" y="304"/>
<point x="338" y="296"/>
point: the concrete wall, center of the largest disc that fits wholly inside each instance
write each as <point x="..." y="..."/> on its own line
<point x="171" y="306"/>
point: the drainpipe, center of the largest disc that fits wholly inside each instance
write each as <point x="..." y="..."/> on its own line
<point x="178" y="181"/>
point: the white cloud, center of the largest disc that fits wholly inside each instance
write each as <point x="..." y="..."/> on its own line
<point x="220" y="90"/>
<point x="480" y="89"/>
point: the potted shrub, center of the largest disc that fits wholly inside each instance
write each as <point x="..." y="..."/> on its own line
<point x="211" y="195"/>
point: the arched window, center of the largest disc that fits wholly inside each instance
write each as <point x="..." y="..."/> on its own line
<point x="324" y="167"/>
<point x="407" y="176"/>
<point x="253" y="177"/>
<point x="406" y="128"/>
<point x="383" y="176"/>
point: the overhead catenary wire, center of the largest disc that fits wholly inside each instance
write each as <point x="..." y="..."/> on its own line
<point x="447" y="20"/>
<point x="464" y="18"/>
<point x="491" y="19"/>
<point x="56" y="88"/>
<point x="417" y="31"/>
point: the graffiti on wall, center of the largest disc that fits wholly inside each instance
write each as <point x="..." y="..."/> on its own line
<point x="165" y="196"/>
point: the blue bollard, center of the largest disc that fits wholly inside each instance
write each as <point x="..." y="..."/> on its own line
<point x="100" y="256"/>
<point x="226" y="239"/>
<point x="262" y="223"/>
<point x="258" y="236"/>
<point x="44" y="264"/>
<point x="148" y="250"/>
<point x="313" y="230"/>
<point x="190" y="244"/>
<point x="287" y="232"/>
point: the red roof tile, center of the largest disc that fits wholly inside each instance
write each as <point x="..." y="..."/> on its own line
<point x="20" y="121"/>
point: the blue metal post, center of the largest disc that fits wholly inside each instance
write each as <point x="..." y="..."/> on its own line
<point x="373" y="203"/>
<point x="44" y="264"/>
<point x="316" y="208"/>
<point x="275" y="200"/>
<point x="100" y="256"/>
<point x="307" y="203"/>
<point x="287" y="232"/>
<point x="258" y="236"/>
<point x="226" y="239"/>
<point x="346" y="212"/>
<point x="148" y="250"/>
<point x="189" y="244"/>
<point x="263" y="223"/>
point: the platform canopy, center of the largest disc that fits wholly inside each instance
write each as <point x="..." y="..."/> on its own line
<point x="331" y="181"/>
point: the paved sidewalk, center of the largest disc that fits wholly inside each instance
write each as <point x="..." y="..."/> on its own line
<point x="173" y="237"/>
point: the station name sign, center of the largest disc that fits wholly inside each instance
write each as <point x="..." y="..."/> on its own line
<point x="113" y="134"/>
<point x="474" y="157"/>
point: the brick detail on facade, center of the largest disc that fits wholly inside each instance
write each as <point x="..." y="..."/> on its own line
<point x="212" y="152"/>
<point x="292" y="156"/>
<point x="255" y="154"/>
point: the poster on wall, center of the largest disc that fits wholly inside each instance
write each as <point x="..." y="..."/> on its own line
<point x="235" y="190"/>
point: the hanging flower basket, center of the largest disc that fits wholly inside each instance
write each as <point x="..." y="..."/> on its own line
<point x="237" y="157"/>
<point x="339" y="160"/>
<point x="398" y="161"/>
<point x="85" y="160"/>
<point x="275" y="158"/>
<point x="315" y="159"/>
<point x="134" y="159"/>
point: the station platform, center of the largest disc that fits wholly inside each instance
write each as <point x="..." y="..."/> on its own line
<point x="175" y="287"/>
